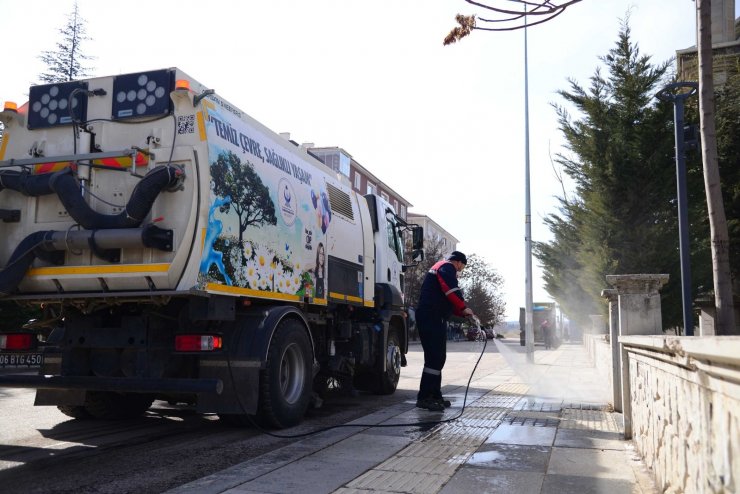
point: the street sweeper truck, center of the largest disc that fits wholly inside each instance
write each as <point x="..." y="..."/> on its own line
<point x="176" y="249"/>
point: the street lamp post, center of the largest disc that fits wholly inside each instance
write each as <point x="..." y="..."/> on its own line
<point x="668" y="94"/>
<point x="528" y="329"/>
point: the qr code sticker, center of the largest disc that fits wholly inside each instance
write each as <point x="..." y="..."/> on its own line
<point x="186" y="124"/>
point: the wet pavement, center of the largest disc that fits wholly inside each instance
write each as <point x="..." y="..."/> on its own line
<point x="528" y="428"/>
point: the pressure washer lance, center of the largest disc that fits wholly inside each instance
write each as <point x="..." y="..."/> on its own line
<point x="369" y="426"/>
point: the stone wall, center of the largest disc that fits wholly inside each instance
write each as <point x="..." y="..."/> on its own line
<point x="599" y="351"/>
<point x="685" y="410"/>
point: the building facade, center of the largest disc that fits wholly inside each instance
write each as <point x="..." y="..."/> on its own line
<point x="362" y="180"/>
<point x="434" y="234"/>
<point x="725" y="47"/>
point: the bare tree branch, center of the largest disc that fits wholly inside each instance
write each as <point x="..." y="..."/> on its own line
<point x="508" y="19"/>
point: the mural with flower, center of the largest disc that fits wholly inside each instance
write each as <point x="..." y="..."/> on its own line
<point x="269" y="214"/>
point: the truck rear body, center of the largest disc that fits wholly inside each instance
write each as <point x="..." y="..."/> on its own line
<point x="172" y="240"/>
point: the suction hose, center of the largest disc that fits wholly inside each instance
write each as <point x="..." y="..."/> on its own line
<point x="167" y="177"/>
<point x="30" y="247"/>
<point x="25" y="182"/>
<point x="40" y="244"/>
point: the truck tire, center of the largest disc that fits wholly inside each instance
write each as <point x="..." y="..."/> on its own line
<point x="74" y="411"/>
<point x="110" y="406"/>
<point x="286" y="383"/>
<point x="386" y="381"/>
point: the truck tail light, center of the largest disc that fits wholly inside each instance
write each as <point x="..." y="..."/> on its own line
<point x="16" y="341"/>
<point x="197" y="343"/>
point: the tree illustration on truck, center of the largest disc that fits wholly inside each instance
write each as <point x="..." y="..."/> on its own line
<point x="250" y="198"/>
<point x="241" y="196"/>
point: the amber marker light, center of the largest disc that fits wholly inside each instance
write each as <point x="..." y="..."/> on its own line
<point x="182" y="84"/>
<point x="10" y="106"/>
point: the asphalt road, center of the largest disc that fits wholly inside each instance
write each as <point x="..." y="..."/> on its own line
<point x="44" y="451"/>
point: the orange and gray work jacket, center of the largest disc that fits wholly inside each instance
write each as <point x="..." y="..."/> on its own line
<point x="439" y="294"/>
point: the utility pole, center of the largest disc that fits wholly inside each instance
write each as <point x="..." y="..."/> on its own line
<point x="668" y="94"/>
<point x="528" y="310"/>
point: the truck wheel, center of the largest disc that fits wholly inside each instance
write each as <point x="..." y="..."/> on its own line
<point x="74" y="411"/>
<point x="388" y="378"/>
<point x="106" y="405"/>
<point x="285" y="385"/>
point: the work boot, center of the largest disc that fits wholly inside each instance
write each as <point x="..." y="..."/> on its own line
<point x="444" y="402"/>
<point x="430" y="404"/>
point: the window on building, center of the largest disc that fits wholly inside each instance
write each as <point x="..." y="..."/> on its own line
<point x="395" y="205"/>
<point x="344" y="162"/>
<point x="385" y="196"/>
<point x="336" y="160"/>
<point x="403" y="211"/>
<point x="358" y="180"/>
<point x="370" y="188"/>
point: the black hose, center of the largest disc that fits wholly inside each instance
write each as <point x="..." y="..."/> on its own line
<point x="25" y="182"/>
<point x="137" y="208"/>
<point x="21" y="259"/>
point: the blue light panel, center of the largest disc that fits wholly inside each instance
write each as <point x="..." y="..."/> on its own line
<point x="50" y="105"/>
<point x="143" y="94"/>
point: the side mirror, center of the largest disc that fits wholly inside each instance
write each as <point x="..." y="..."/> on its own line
<point x="417" y="255"/>
<point x="417" y="239"/>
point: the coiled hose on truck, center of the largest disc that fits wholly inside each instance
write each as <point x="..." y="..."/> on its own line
<point x="167" y="177"/>
<point x="20" y="260"/>
<point x="25" y="182"/>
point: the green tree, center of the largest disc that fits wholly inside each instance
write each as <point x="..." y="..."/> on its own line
<point x="623" y="218"/>
<point x="727" y="110"/>
<point x="66" y="62"/>
<point x="564" y="268"/>
<point x="728" y="149"/>
<point x="250" y="198"/>
<point x="481" y="285"/>
<point x="414" y="276"/>
<point x="720" y="242"/>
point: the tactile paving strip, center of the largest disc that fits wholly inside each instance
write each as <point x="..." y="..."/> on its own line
<point x="460" y="435"/>
<point x="438" y="449"/>
<point x="512" y="388"/>
<point x="497" y="401"/>
<point x="584" y="419"/>
<point x="413" y="464"/>
<point x="385" y="481"/>
<point x="538" y="406"/>
<point x="538" y="419"/>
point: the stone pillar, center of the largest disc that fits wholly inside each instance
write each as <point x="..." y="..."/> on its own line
<point x="707" y="316"/>
<point x="597" y="324"/>
<point x="639" y="314"/>
<point x="611" y="295"/>
<point x="639" y="302"/>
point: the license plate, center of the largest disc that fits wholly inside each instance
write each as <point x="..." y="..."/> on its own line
<point x="21" y="359"/>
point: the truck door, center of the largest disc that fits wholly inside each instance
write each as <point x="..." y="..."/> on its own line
<point x="390" y="251"/>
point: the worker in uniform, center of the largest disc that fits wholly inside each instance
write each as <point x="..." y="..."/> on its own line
<point x="439" y="298"/>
